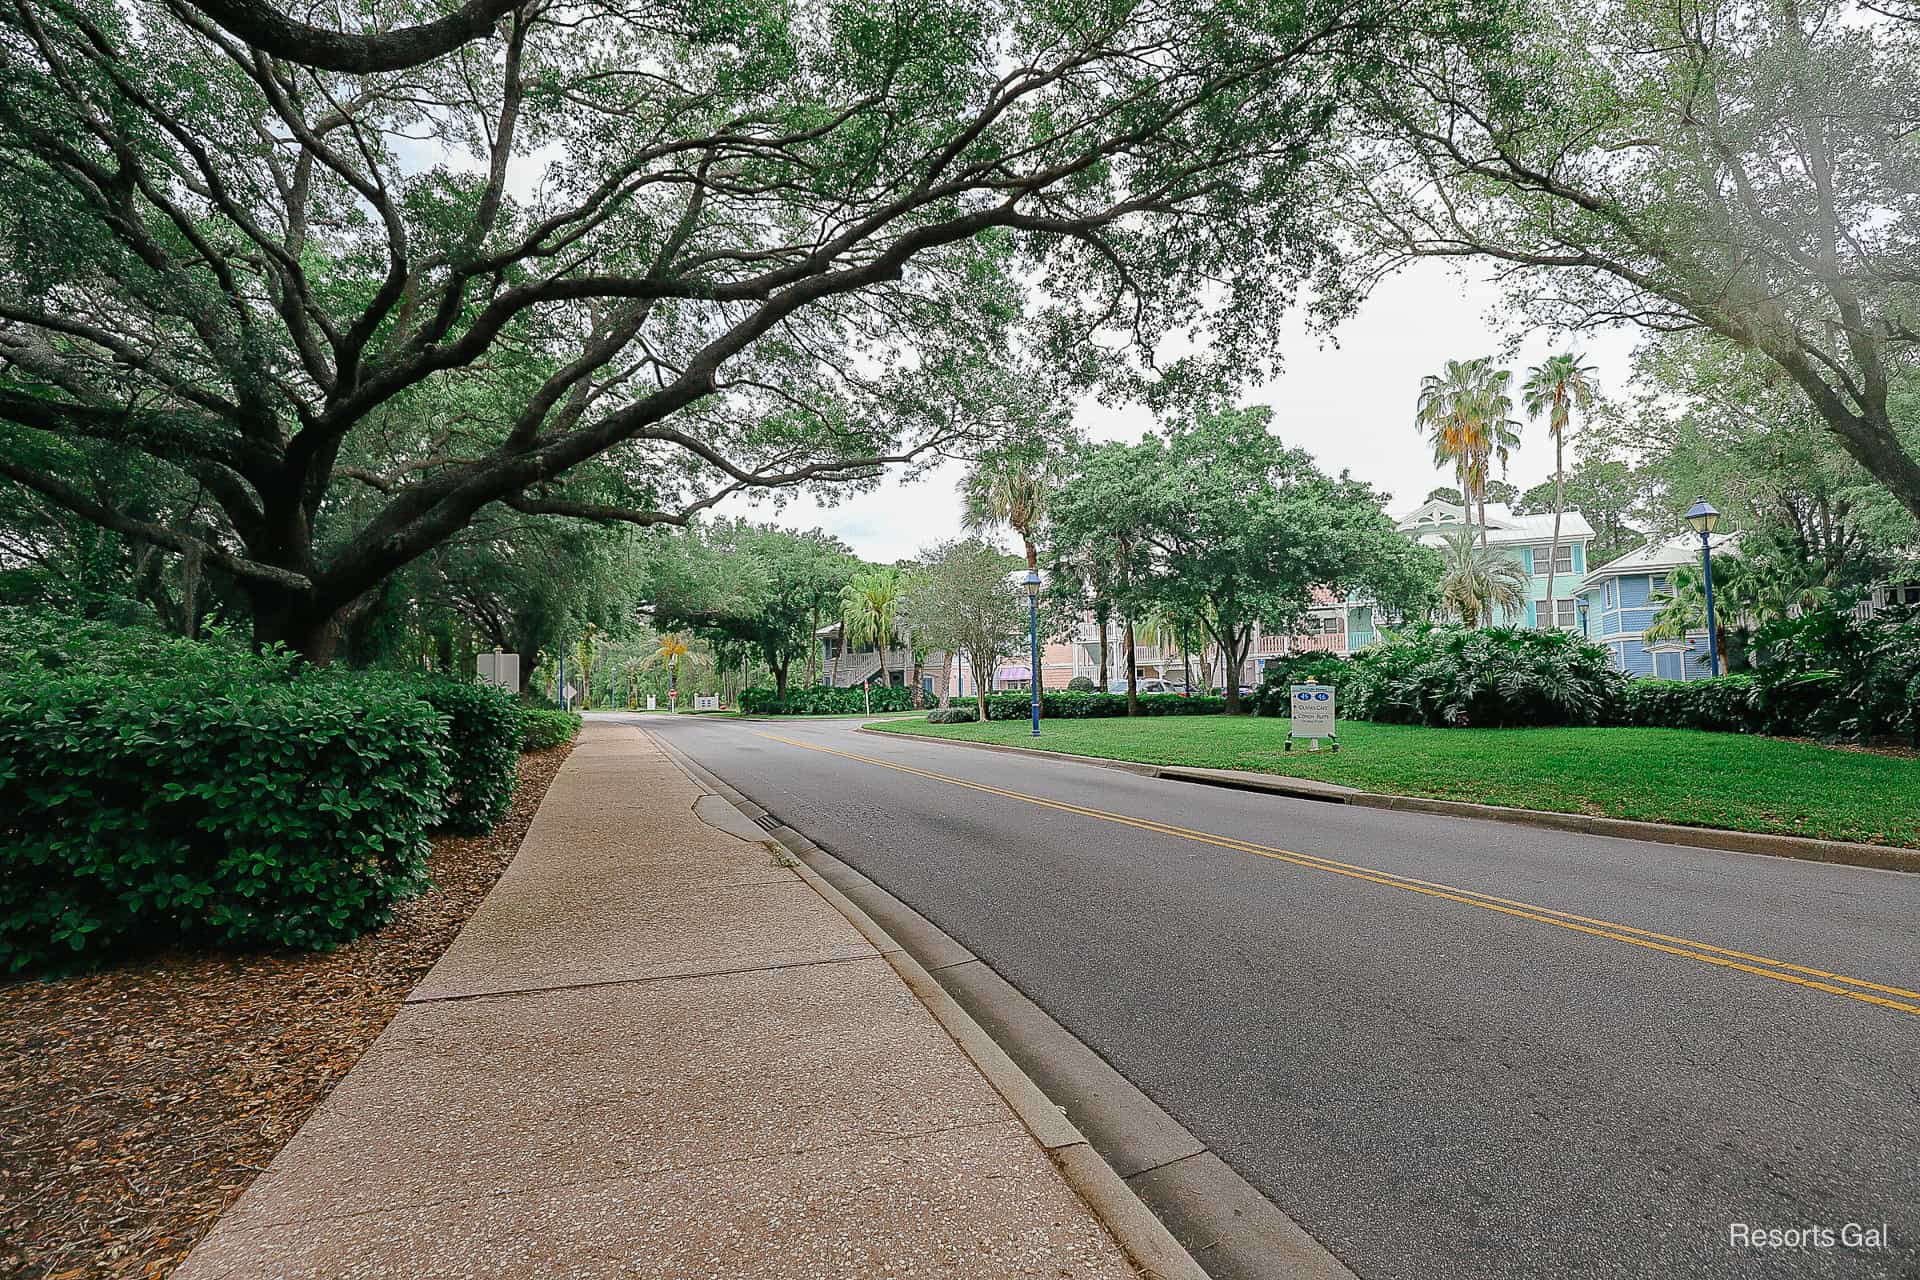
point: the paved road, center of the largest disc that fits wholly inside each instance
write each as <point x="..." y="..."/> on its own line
<point x="1434" y="1082"/>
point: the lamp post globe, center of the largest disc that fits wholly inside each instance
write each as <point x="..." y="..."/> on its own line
<point x="1033" y="644"/>
<point x="1704" y="519"/>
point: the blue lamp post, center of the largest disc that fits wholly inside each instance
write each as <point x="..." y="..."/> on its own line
<point x="1705" y="520"/>
<point x="1033" y="637"/>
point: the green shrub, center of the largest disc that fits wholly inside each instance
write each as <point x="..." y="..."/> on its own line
<point x="542" y="729"/>
<point x="1080" y="684"/>
<point x="1827" y="674"/>
<point x="41" y="641"/>
<point x="207" y="806"/>
<point x="1273" y="697"/>
<point x="952" y="715"/>
<point x="483" y="741"/>
<point x="1067" y="704"/>
<point x="1725" y="704"/>
<point x="820" y="699"/>
<point x="1485" y="677"/>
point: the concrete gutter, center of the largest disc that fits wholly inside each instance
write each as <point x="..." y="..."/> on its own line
<point x="1179" y="1211"/>
<point x="1843" y="852"/>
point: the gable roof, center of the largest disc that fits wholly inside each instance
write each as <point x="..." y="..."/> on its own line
<point x="1429" y="520"/>
<point x="1662" y="554"/>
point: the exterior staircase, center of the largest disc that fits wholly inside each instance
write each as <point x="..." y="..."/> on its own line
<point x="855" y="669"/>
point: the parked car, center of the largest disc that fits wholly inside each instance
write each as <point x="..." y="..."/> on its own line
<point x="1148" y="684"/>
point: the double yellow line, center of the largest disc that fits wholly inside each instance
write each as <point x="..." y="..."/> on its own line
<point x="1706" y="953"/>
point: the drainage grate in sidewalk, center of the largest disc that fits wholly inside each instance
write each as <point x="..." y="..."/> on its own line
<point x="766" y="822"/>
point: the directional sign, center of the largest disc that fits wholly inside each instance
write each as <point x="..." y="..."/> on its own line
<point x="1312" y="711"/>
<point x="572" y="693"/>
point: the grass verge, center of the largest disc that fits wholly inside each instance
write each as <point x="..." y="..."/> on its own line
<point x="1696" y="779"/>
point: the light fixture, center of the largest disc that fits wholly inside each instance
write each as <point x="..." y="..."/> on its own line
<point x="1703" y="517"/>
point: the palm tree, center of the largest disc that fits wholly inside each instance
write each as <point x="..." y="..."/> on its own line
<point x="1010" y="487"/>
<point x="673" y="652"/>
<point x="1476" y="581"/>
<point x="1466" y="411"/>
<point x="869" y="607"/>
<point x="1556" y="387"/>
<point x="1742" y="600"/>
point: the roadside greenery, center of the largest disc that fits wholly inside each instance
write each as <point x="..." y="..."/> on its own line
<point x="1221" y="522"/>
<point x="819" y="700"/>
<point x="542" y="729"/>
<point x="964" y="601"/>
<point x="208" y="806"/>
<point x="160" y="791"/>
<point x="1735" y="781"/>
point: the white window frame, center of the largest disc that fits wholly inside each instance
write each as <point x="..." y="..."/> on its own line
<point x="1540" y="555"/>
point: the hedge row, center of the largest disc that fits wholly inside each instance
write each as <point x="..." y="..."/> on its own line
<point x="156" y="791"/>
<point x="816" y="700"/>
<point x="542" y="729"/>
<point x="205" y="809"/>
<point x="483" y="743"/>
<point x="1071" y="704"/>
<point x="1824" y="675"/>
<point x="1722" y="704"/>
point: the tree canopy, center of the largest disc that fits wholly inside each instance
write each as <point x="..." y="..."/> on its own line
<point x="617" y="264"/>
<point x="1222" y="521"/>
<point x="752" y="584"/>
<point x="1742" y="168"/>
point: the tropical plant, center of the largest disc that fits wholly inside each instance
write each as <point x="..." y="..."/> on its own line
<point x="1466" y="413"/>
<point x="1738" y="608"/>
<point x="675" y="655"/>
<point x="1556" y="387"/>
<point x="1828" y="674"/>
<point x="869" y="613"/>
<point x="1475" y="581"/>
<point x="1485" y="677"/>
<point x="1011" y="487"/>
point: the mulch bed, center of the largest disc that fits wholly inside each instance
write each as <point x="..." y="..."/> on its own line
<point x="137" y="1102"/>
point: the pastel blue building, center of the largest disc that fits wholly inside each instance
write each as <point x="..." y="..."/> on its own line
<point x="1619" y="599"/>
<point x="1526" y="540"/>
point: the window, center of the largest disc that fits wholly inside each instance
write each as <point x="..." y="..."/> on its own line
<point x="1660" y="586"/>
<point x="1609" y="603"/>
<point x="1330" y="626"/>
<point x="1564" y="564"/>
<point x="1566" y="607"/>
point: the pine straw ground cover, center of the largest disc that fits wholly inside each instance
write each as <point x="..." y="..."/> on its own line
<point x="137" y="1103"/>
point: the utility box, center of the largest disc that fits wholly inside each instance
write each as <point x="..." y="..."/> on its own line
<point x="501" y="670"/>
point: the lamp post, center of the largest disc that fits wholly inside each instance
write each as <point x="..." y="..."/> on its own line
<point x="1033" y="638"/>
<point x="1705" y="520"/>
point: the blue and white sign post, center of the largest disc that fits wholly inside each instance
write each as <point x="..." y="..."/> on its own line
<point x="1312" y="715"/>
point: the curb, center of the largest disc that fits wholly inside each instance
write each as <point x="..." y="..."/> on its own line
<point x="1187" y="1198"/>
<point x="1840" y="852"/>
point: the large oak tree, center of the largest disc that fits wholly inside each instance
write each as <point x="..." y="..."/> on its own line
<point x="619" y="263"/>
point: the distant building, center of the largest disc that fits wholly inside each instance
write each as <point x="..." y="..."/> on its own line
<point x="1526" y="539"/>
<point x="1619" y="599"/>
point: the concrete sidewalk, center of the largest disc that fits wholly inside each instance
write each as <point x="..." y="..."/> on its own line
<point x="654" y="1052"/>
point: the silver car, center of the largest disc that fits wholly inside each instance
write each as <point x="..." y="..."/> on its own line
<point x="1148" y="684"/>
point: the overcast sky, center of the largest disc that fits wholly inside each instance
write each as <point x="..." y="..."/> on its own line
<point x="1351" y="405"/>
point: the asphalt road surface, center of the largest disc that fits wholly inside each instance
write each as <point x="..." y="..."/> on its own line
<point x="1448" y="1048"/>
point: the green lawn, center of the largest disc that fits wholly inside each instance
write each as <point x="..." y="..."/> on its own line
<point x="1660" y="775"/>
